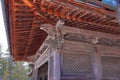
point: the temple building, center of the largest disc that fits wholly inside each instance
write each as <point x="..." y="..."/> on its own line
<point x="65" y="39"/>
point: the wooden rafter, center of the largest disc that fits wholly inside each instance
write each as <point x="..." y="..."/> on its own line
<point x="72" y="16"/>
<point x="34" y="9"/>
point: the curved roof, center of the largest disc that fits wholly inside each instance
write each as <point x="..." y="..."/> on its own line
<point x="26" y="16"/>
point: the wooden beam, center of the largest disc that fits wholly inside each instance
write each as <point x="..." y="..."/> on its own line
<point x="35" y="11"/>
<point x="12" y="29"/>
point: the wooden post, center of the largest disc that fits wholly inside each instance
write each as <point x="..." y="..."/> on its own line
<point x="49" y="66"/>
<point x="33" y="74"/>
<point x="56" y="70"/>
<point x="36" y="74"/>
<point x="97" y="66"/>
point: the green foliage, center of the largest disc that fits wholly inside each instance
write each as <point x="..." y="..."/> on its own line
<point x="3" y="66"/>
<point x="6" y="73"/>
<point x="20" y="71"/>
<point x="13" y="70"/>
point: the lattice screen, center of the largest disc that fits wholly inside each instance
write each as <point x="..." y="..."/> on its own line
<point x="79" y="64"/>
<point x="110" y="66"/>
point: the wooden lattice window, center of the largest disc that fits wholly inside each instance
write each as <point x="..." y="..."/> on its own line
<point x="77" y="65"/>
<point x="110" y="66"/>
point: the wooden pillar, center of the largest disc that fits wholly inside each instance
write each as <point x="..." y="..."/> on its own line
<point x="56" y="64"/>
<point x="36" y="74"/>
<point x="97" y="66"/>
<point x="33" y="75"/>
<point x="49" y="66"/>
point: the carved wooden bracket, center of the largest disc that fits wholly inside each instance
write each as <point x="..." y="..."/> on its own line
<point x="55" y="34"/>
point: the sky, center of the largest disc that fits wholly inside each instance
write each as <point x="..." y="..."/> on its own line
<point x="3" y="39"/>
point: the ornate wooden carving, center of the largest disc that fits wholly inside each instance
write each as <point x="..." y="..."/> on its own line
<point x="55" y="34"/>
<point x="89" y="39"/>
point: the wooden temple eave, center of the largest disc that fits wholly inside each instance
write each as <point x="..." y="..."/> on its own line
<point x="28" y="15"/>
<point x="70" y="14"/>
<point x="18" y="18"/>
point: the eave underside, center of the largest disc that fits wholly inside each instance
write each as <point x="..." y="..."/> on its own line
<point x="27" y="16"/>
